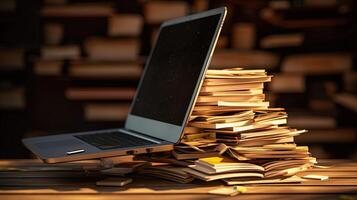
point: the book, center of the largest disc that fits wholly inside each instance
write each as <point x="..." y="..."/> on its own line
<point x="225" y="58"/>
<point x="213" y="100"/>
<point x="243" y="36"/>
<point x="156" y="12"/>
<point x="245" y="128"/>
<point x="263" y="116"/>
<point x="233" y="93"/>
<point x="288" y="83"/>
<point x="105" y="70"/>
<point x="212" y="177"/>
<point x="200" y="148"/>
<point x="218" y="125"/>
<point x="236" y="71"/>
<point x="214" y="165"/>
<point x="172" y="173"/>
<point x="260" y="104"/>
<point x="214" y="110"/>
<point x="268" y="152"/>
<point x="252" y="123"/>
<point x="202" y="135"/>
<point x="279" y="4"/>
<point x="106" y="112"/>
<point x="282" y="40"/>
<point x="289" y="171"/>
<point x="222" y="88"/>
<point x="238" y="116"/>
<point x="268" y="133"/>
<point x="274" y="18"/>
<point x="261" y="142"/>
<point x="193" y="155"/>
<point x="100" y="93"/>
<point x="125" y="25"/>
<point x="276" y="165"/>
<point x="261" y="156"/>
<point x="244" y="167"/>
<point x="241" y="80"/>
<point x="78" y="10"/>
<point x="318" y="63"/>
<point x="312" y="121"/>
<point x="48" y="67"/>
<point x="60" y="52"/>
<point x="103" y="49"/>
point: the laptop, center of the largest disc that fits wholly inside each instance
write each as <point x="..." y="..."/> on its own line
<point x="164" y="100"/>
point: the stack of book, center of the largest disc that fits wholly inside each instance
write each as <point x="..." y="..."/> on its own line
<point x="233" y="134"/>
<point x="168" y="172"/>
<point x="214" y="168"/>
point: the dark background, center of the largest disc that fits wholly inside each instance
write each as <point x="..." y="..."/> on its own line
<point x="309" y="46"/>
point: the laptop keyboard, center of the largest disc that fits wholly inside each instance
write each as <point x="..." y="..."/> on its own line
<point x="112" y="140"/>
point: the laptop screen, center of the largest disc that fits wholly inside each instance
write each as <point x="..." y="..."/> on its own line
<point x="173" y="71"/>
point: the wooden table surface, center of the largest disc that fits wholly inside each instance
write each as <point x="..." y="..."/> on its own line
<point x="342" y="184"/>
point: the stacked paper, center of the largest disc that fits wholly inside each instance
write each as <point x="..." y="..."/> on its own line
<point x="232" y="120"/>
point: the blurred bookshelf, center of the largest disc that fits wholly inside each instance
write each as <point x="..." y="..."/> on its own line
<point x="73" y="65"/>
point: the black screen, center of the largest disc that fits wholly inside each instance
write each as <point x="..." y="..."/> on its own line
<point x="173" y="70"/>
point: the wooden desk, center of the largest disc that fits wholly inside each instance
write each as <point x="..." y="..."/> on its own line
<point x="341" y="185"/>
